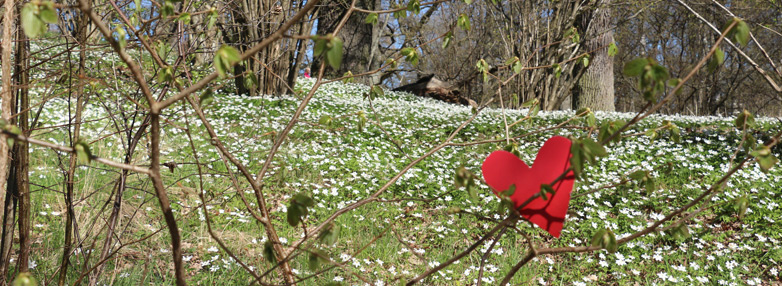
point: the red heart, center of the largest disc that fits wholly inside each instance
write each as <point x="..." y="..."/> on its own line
<point x="503" y="169"/>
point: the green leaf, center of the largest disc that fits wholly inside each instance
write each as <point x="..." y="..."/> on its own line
<point x="533" y="111"/>
<point x="334" y="53"/>
<point x="513" y="148"/>
<point x="766" y="162"/>
<point x="447" y="39"/>
<point x="741" y="32"/>
<point x="295" y="213"/>
<point x="517" y="67"/>
<point x="605" y="239"/>
<point x="48" y="13"/>
<point x="166" y="74"/>
<point x="206" y="98"/>
<point x="744" y="120"/>
<point x="315" y="258"/>
<point x="608" y="128"/>
<point x="325" y="120"/>
<point x="304" y="199"/>
<point x="509" y="192"/>
<point x="611" y="245"/>
<point x="162" y="49"/>
<point x="530" y="103"/>
<point x="13" y="129"/>
<point x="330" y="234"/>
<point x="465" y="178"/>
<point x="167" y="10"/>
<point x="584" y="111"/>
<point x="573" y="34"/>
<point x="25" y="279"/>
<point x="121" y="36"/>
<point x="749" y="142"/>
<point x="461" y="176"/>
<point x="32" y="25"/>
<point x="679" y="232"/>
<point x="591" y="121"/>
<point x="652" y="135"/>
<point x="184" y="17"/>
<point x="505" y="206"/>
<point x="83" y="153"/>
<point x="320" y="45"/>
<point x="377" y="91"/>
<point x="716" y="60"/>
<point x="371" y="19"/>
<point x="557" y="70"/>
<point x="225" y="57"/>
<point x="414" y="6"/>
<point x="391" y="63"/>
<point x="250" y="80"/>
<point x="374" y="92"/>
<point x="593" y="148"/>
<point x="650" y="184"/>
<point x="212" y="16"/>
<point x="576" y="158"/>
<point x="635" y="67"/>
<point x="348" y="77"/>
<point x="676" y="134"/>
<point x="362" y="120"/>
<point x="401" y="13"/>
<point x="659" y="73"/>
<point x="544" y="190"/>
<point x="612" y="49"/>
<point x="483" y="68"/>
<point x="585" y="60"/>
<point x="463" y="22"/>
<point x="638" y="175"/>
<point x="411" y="55"/>
<point x="268" y="252"/>
<point x="597" y="238"/>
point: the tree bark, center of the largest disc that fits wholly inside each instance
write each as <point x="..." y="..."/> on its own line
<point x="357" y="36"/>
<point x="7" y="94"/>
<point x="251" y="22"/>
<point x="21" y="150"/>
<point x="5" y="112"/>
<point x="595" y="89"/>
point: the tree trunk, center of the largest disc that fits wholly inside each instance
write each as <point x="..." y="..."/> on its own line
<point x="357" y="36"/>
<point x="250" y="22"/>
<point x="595" y="88"/>
<point x="7" y="95"/>
<point x="21" y="150"/>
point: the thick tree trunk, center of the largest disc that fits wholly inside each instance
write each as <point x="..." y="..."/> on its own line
<point x="357" y="36"/>
<point x="251" y="22"/>
<point x="595" y="88"/>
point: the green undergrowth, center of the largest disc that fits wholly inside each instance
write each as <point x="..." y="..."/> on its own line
<point x="338" y="160"/>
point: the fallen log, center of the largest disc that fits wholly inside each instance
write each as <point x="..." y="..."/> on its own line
<point x="429" y="86"/>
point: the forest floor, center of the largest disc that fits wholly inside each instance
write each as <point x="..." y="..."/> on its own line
<point x="414" y="226"/>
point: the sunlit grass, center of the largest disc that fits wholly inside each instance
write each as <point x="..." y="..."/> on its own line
<point x="340" y="164"/>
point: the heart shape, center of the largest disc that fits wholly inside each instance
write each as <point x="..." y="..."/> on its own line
<point x="503" y="169"/>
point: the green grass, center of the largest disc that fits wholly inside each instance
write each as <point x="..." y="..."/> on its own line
<point x="341" y="164"/>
